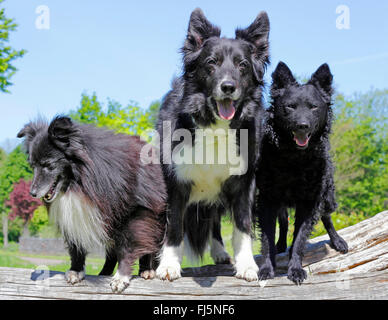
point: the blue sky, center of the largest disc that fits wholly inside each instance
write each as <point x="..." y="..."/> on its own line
<point x="129" y="50"/>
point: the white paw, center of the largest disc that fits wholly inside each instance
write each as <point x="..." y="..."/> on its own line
<point x="169" y="272"/>
<point x="147" y="274"/>
<point x="74" y="277"/>
<point x="170" y="266"/>
<point x="119" y="283"/>
<point x="248" y="273"/>
<point x="246" y="267"/>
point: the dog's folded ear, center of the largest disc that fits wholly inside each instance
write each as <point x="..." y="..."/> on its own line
<point x="258" y="35"/>
<point x="282" y="77"/>
<point x="323" y="79"/>
<point x="30" y="130"/>
<point x="61" y="132"/>
<point x="199" y="30"/>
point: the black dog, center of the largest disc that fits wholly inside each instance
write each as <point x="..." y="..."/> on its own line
<point x="98" y="192"/>
<point x="295" y="169"/>
<point x="219" y="94"/>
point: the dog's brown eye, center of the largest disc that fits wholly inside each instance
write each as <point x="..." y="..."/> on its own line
<point x="211" y="62"/>
<point x="243" y="65"/>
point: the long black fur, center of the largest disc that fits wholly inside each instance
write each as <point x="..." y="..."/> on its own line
<point x="189" y="105"/>
<point x="293" y="174"/>
<point x="104" y="168"/>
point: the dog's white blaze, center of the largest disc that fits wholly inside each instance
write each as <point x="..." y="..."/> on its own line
<point x="245" y="265"/>
<point x="79" y="220"/>
<point x="214" y="159"/>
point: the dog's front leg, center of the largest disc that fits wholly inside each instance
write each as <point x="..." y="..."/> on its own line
<point x="126" y="257"/>
<point x="77" y="269"/>
<point x="305" y="218"/>
<point x="172" y="251"/>
<point x="267" y="214"/>
<point x="245" y="265"/>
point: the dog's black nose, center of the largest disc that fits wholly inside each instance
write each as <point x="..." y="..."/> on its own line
<point x="303" y="126"/>
<point x="228" y="87"/>
<point x="33" y="194"/>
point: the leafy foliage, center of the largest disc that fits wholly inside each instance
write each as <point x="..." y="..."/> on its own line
<point x="21" y="203"/>
<point x="130" y="119"/>
<point x="14" y="168"/>
<point x="39" y="221"/>
<point x="3" y="156"/>
<point x="360" y="152"/>
<point x="7" y="53"/>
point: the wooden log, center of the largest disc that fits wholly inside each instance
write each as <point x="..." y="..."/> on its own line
<point x="360" y="274"/>
<point x="24" y="284"/>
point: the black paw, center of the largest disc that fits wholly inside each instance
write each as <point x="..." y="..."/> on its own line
<point x="280" y="248"/>
<point x="266" y="272"/>
<point x="340" y="245"/>
<point x="296" y="275"/>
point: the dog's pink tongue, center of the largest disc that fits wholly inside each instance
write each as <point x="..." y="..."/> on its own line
<point x="303" y="142"/>
<point x="226" y="109"/>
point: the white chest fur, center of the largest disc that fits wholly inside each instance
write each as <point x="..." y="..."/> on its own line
<point x="210" y="161"/>
<point x="79" y="220"/>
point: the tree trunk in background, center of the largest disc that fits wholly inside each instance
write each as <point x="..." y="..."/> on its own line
<point x="26" y="231"/>
<point x="5" y="229"/>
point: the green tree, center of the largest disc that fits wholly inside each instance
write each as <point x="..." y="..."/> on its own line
<point x="3" y="156"/>
<point x="39" y="220"/>
<point x="360" y="152"/>
<point x="14" y="168"/>
<point x="7" y="53"/>
<point x="129" y="119"/>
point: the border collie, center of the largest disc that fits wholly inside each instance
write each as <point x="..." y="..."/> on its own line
<point x="295" y="169"/>
<point x="210" y="125"/>
<point x="99" y="193"/>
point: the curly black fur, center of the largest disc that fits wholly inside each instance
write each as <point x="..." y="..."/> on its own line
<point x="295" y="169"/>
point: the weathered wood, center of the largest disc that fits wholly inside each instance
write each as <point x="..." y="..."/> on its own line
<point x="22" y="284"/>
<point x="360" y="274"/>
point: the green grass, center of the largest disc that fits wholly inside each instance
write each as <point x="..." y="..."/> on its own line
<point x="11" y="258"/>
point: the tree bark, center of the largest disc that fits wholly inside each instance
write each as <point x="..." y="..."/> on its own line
<point x="5" y="229"/>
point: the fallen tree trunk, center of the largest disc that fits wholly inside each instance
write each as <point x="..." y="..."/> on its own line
<point x="362" y="273"/>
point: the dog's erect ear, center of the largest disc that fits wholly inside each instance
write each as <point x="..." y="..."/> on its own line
<point x="323" y="79"/>
<point x="257" y="34"/>
<point x="60" y="132"/>
<point x="199" y="30"/>
<point x="282" y="77"/>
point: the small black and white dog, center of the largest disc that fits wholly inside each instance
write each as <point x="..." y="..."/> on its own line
<point x="99" y="193"/>
<point x="295" y="169"/>
<point x="213" y="112"/>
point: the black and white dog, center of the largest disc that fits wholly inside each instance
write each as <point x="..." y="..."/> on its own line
<point x="213" y="111"/>
<point x="99" y="193"/>
<point x="295" y="169"/>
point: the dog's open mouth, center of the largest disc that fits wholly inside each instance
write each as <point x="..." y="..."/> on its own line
<point x="226" y="108"/>
<point x="301" y="140"/>
<point x="51" y="194"/>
